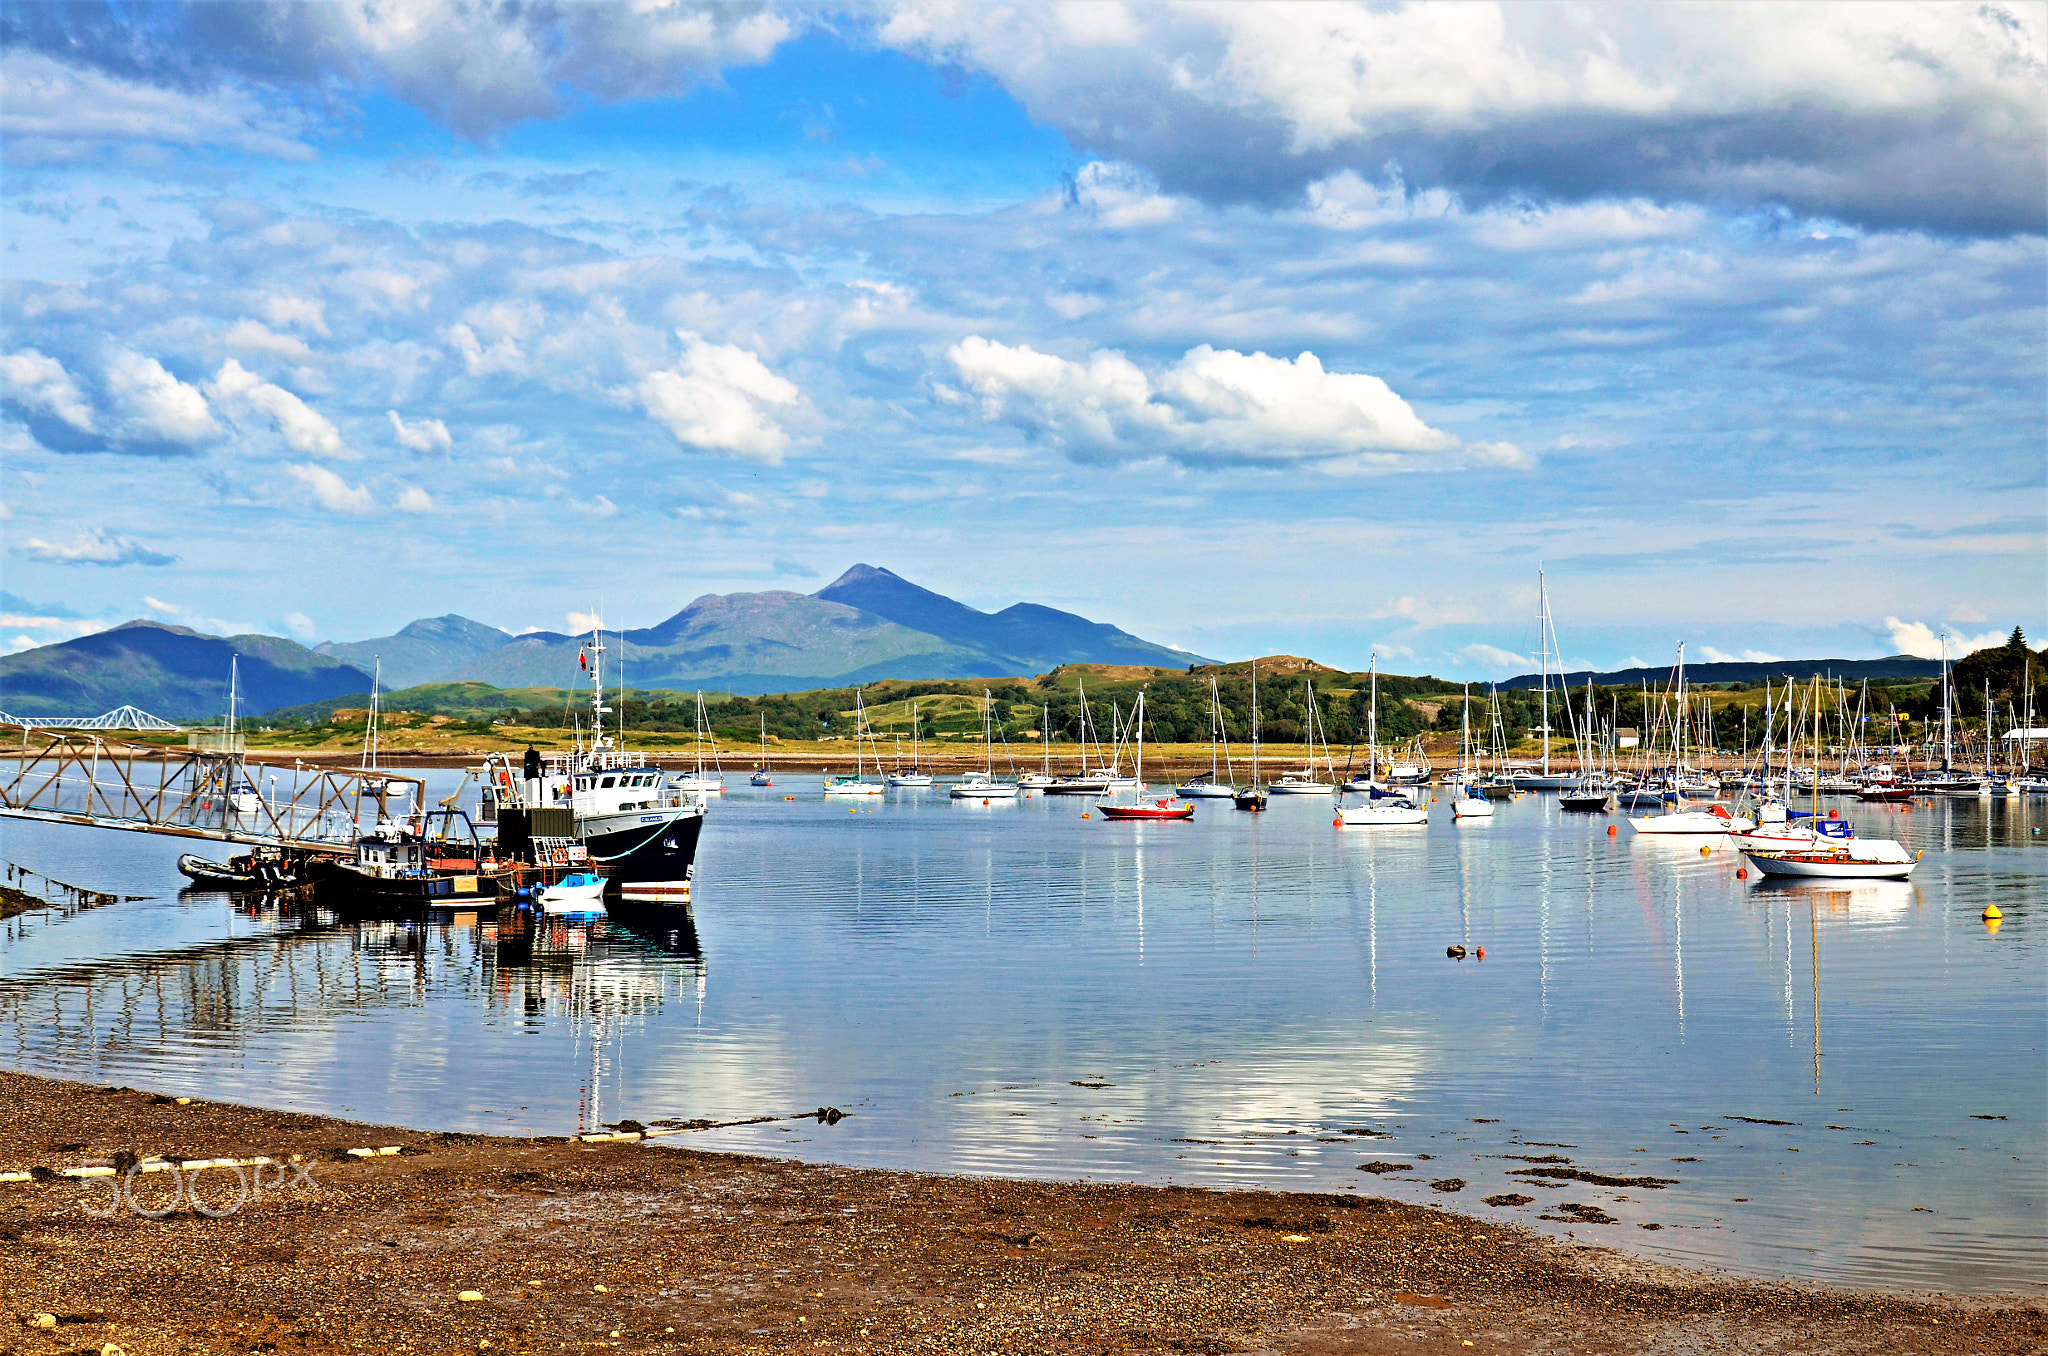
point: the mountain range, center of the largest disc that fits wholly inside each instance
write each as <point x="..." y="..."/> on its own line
<point x="866" y="625"/>
<point x="1744" y="671"/>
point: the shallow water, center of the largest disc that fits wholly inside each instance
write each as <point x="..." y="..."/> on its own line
<point x="1245" y="988"/>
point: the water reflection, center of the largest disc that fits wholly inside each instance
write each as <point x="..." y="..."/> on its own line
<point x="1233" y="995"/>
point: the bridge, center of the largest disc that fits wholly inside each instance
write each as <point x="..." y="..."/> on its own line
<point x="120" y="718"/>
<point x="83" y="778"/>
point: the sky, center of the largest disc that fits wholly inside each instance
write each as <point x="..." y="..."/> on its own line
<point x="1256" y="328"/>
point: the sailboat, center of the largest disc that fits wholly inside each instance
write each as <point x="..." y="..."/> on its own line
<point x="1090" y="782"/>
<point x="917" y="776"/>
<point x="1470" y="804"/>
<point x="1305" y="782"/>
<point x="1370" y="781"/>
<point x="1252" y="796"/>
<point x="764" y="774"/>
<point x="1165" y="807"/>
<point x="857" y="784"/>
<point x="983" y="785"/>
<point x="1676" y="817"/>
<point x="699" y="781"/>
<point x="1204" y="784"/>
<point x="374" y="785"/>
<point x="1546" y="639"/>
<point x="1040" y="780"/>
<point x="1383" y="806"/>
<point x="1830" y="858"/>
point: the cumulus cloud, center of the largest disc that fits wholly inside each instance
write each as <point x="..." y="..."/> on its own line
<point x="305" y="430"/>
<point x="301" y="626"/>
<point x="330" y="491"/>
<point x="1714" y="656"/>
<point x="1213" y="407"/>
<point x="722" y="398"/>
<point x="413" y="499"/>
<point x="58" y="111"/>
<point x="476" y="67"/>
<point x="421" y="435"/>
<point x="39" y="383"/>
<point x="1890" y="114"/>
<point x="1491" y="657"/>
<point x="156" y="407"/>
<point x="1924" y="642"/>
<point x="94" y="546"/>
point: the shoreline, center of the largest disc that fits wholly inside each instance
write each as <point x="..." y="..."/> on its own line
<point x="654" y="1246"/>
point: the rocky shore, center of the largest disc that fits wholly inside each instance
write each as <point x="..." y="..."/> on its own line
<point x="466" y="1243"/>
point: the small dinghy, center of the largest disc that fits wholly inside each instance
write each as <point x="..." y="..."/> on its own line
<point x="238" y="873"/>
<point x="580" y="894"/>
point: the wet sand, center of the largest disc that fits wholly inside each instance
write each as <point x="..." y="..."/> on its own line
<point x="649" y="1246"/>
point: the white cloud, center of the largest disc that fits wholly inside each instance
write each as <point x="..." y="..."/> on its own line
<point x="1967" y="612"/>
<point x="421" y="435"/>
<point x="306" y="431"/>
<point x="181" y="615"/>
<point x="332" y="492"/>
<point x="1214" y="407"/>
<point x="722" y="398"/>
<point x="52" y="629"/>
<point x="1506" y="662"/>
<point x="40" y="383"/>
<point x="413" y="499"/>
<point x="94" y="546"/>
<point x="253" y="336"/>
<point x="157" y="406"/>
<point x="301" y="626"/>
<point x="56" y="112"/>
<point x="1924" y="642"/>
<point x="1714" y="656"/>
<point x="583" y="621"/>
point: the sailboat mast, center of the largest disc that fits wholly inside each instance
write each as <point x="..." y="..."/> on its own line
<point x="1947" y="730"/>
<point x="1543" y="664"/>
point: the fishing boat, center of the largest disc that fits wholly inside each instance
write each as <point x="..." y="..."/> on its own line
<point x="858" y="784"/>
<point x="983" y="785"/>
<point x="605" y="804"/>
<point x="915" y="775"/>
<point x="764" y="775"/>
<point x="1207" y="785"/>
<point x="402" y="865"/>
<point x="580" y="894"/>
<point x="700" y="781"/>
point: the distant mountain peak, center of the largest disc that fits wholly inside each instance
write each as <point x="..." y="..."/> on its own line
<point x="861" y="574"/>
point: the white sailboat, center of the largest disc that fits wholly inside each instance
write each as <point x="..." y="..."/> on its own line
<point x="983" y="785"/>
<point x="1043" y="778"/>
<point x="1306" y="782"/>
<point x="1090" y="781"/>
<point x="764" y="775"/>
<point x="916" y="776"/>
<point x="1206" y="785"/>
<point x="1470" y="804"/>
<point x="1370" y="781"/>
<point x="857" y="784"/>
<point x="1676" y="817"/>
<point x="1546" y="639"/>
<point x="701" y="782"/>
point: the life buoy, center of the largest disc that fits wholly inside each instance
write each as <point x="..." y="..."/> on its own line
<point x="560" y="857"/>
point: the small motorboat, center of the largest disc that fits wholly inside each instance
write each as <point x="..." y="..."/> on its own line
<point x="1384" y="811"/>
<point x="253" y="871"/>
<point x="1165" y="807"/>
<point x="578" y="894"/>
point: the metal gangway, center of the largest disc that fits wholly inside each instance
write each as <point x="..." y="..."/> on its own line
<point x="216" y="793"/>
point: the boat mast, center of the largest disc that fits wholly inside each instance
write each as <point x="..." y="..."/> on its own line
<point x="1543" y="664"/>
<point x="1947" y="725"/>
<point x="1372" y="724"/>
<point x="1255" y="724"/>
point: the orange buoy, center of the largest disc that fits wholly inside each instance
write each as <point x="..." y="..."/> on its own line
<point x="1611" y="831"/>
<point x="1084" y="814"/>
<point x="1704" y="850"/>
<point x="1742" y="873"/>
<point x="1480" y="954"/>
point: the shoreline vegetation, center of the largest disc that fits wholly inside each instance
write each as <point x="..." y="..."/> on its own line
<point x="461" y="1242"/>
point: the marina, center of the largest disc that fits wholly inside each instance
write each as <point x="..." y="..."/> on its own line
<point x="1232" y="1001"/>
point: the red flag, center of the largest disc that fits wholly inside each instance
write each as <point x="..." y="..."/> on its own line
<point x="583" y="659"/>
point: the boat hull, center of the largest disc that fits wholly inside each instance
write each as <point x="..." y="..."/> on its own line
<point x="1691" y="821"/>
<point x="1377" y="816"/>
<point x="853" y="788"/>
<point x="1146" y="811"/>
<point x="1825" y="866"/>
<point x="1477" y="808"/>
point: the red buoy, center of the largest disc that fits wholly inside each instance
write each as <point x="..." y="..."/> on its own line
<point x="1611" y="831"/>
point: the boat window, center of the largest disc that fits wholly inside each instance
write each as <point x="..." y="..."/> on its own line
<point x="609" y="781"/>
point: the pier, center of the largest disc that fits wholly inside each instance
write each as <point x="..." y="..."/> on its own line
<point x="206" y="790"/>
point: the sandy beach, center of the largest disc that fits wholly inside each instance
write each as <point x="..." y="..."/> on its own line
<point x="467" y="1243"/>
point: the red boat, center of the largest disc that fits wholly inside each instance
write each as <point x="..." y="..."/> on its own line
<point x="1163" y="808"/>
<point x="1885" y="794"/>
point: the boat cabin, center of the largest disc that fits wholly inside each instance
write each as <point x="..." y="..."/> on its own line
<point x="391" y="857"/>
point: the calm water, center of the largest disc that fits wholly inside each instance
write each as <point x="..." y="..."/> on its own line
<point x="1248" y="987"/>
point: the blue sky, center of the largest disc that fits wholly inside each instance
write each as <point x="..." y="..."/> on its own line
<point x="1247" y="328"/>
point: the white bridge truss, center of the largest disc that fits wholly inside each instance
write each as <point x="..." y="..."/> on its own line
<point x="120" y="718"/>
